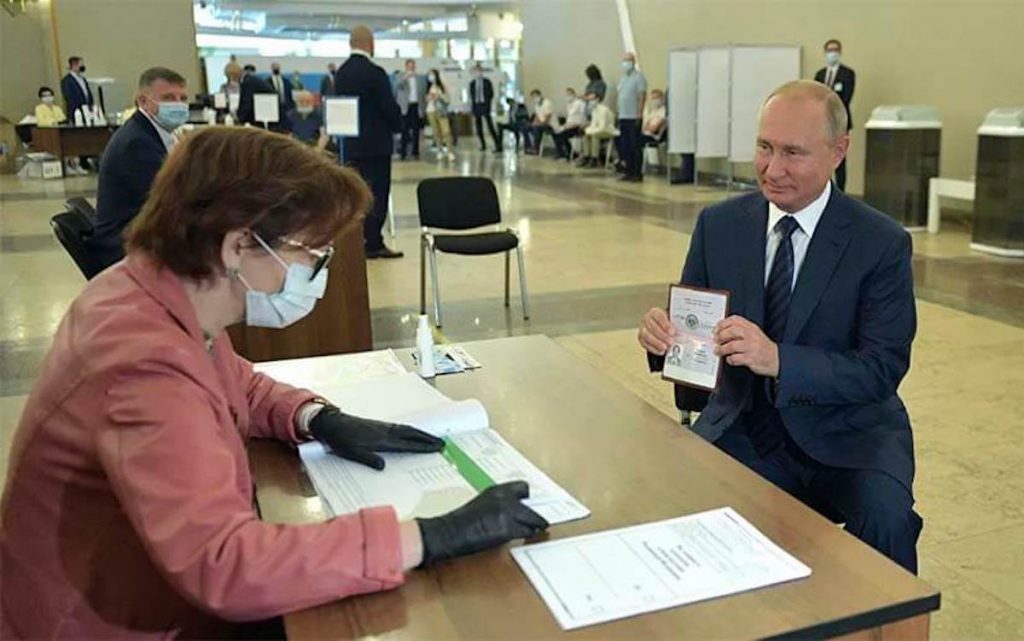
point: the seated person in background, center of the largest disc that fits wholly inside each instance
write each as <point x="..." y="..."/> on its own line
<point x="517" y="119"/>
<point x="306" y="122"/>
<point x="602" y="127"/>
<point x="654" y="123"/>
<point x="133" y="156"/>
<point x="128" y="512"/>
<point x="575" y="121"/>
<point x="541" y="122"/>
<point x="49" y="114"/>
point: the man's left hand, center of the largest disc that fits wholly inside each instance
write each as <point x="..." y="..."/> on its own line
<point x="743" y="344"/>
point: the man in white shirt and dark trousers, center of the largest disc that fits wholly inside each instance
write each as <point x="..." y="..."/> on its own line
<point x="481" y="93"/>
<point x="840" y="79"/>
<point x="575" y="121"/>
<point x="540" y="123"/>
<point x="632" y="95"/>
<point x="411" y="94"/>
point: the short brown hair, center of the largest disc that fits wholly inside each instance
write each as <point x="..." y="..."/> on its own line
<point x="151" y="75"/>
<point x="223" y="179"/>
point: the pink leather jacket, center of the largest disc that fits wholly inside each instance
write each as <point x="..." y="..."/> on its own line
<point x="128" y="511"/>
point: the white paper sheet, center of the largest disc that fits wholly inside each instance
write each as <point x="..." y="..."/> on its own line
<point x="220" y="100"/>
<point x="341" y="116"/>
<point x="329" y="371"/>
<point x="611" y="575"/>
<point x="265" y="108"/>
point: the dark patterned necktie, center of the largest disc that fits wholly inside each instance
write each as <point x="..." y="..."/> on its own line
<point x="780" y="281"/>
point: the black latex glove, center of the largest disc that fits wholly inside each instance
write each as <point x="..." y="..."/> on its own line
<point x="494" y="517"/>
<point x="357" y="439"/>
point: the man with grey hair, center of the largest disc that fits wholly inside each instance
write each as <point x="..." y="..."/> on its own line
<point x="134" y="155"/>
<point x="823" y="317"/>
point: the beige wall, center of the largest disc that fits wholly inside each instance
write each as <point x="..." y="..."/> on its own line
<point x="121" y="38"/>
<point x="960" y="56"/>
<point x="562" y="37"/>
<point x="26" y="60"/>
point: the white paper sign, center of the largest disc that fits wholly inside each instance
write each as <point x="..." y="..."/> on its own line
<point x="233" y="100"/>
<point x="220" y="101"/>
<point x="265" y="107"/>
<point x="341" y="116"/>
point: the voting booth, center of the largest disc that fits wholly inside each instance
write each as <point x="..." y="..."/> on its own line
<point x="999" y="187"/>
<point x="903" y="143"/>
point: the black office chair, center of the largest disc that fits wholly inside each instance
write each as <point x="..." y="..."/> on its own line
<point x="82" y="206"/>
<point x="462" y="203"/>
<point x="71" y="229"/>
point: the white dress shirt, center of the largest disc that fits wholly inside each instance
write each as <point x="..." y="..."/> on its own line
<point x="414" y="97"/>
<point x="830" y="75"/>
<point x="576" y="114"/>
<point x="81" y="83"/>
<point x="807" y="220"/>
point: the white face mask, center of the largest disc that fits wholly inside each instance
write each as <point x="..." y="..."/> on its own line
<point x="295" y="301"/>
<point x="48" y="100"/>
<point x="832" y="58"/>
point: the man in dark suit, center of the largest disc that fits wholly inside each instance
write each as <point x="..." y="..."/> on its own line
<point x="327" y="82"/>
<point x="283" y="88"/>
<point x="251" y="85"/>
<point x="133" y="157"/>
<point x="75" y="89"/>
<point x="379" y="120"/>
<point x="842" y="80"/>
<point x="822" y="304"/>
<point x="481" y="94"/>
<point x="411" y="95"/>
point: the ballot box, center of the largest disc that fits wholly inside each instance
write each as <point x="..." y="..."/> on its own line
<point x="903" y="143"/>
<point x="999" y="191"/>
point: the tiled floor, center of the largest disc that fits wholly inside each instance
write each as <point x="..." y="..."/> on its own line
<point x="598" y="255"/>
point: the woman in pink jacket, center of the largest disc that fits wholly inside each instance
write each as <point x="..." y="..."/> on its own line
<point x="128" y="512"/>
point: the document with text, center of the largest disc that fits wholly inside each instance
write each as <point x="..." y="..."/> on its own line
<point x="425" y="485"/>
<point x="604" y="576"/>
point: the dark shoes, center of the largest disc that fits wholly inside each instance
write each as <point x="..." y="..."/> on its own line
<point x="383" y="252"/>
<point x="631" y="179"/>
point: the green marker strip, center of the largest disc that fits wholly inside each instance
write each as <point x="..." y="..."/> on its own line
<point x="467" y="467"/>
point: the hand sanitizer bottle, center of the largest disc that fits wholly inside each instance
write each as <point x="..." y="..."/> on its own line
<point x="425" y="347"/>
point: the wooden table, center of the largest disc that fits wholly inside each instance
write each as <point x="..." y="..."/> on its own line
<point x="64" y="140"/>
<point x="629" y="464"/>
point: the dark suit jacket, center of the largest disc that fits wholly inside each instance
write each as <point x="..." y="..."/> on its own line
<point x="481" y="108"/>
<point x="844" y="83"/>
<point x="251" y="84"/>
<point x="130" y="163"/>
<point x="327" y="85"/>
<point x="74" y="97"/>
<point x="379" y="116"/>
<point x="289" y="97"/>
<point x="847" y="343"/>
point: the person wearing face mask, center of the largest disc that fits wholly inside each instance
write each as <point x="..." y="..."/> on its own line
<point x="632" y="94"/>
<point x="283" y="87"/>
<point x="541" y="122"/>
<point x="842" y="80"/>
<point x="481" y="93"/>
<point x="654" y="126"/>
<point x="601" y="128"/>
<point x="575" y="121"/>
<point x="129" y="510"/>
<point x="49" y="114"/>
<point x="438" y="103"/>
<point x="75" y="88"/>
<point x="133" y="157"/>
<point x="306" y="122"/>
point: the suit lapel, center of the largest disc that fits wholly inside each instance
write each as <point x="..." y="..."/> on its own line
<point x="823" y="254"/>
<point x="751" y="239"/>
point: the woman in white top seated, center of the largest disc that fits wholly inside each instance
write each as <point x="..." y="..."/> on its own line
<point x="655" y="124"/>
<point x="601" y="128"/>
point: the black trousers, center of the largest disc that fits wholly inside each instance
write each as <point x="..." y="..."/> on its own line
<point x="515" y="128"/>
<point x="841" y="176"/>
<point x="479" y="119"/>
<point x="876" y="508"/>
<point x="630" y="148"/>
<point x="562" y="138"/>
<point x="377" y="174"/>
<point x="534" y="136"/>
<point x="411" y="125"/>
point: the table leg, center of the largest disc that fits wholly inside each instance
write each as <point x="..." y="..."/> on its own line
<point x="912" y="629"/>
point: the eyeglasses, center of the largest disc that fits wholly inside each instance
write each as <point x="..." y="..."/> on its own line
<point x="323" y="256"/>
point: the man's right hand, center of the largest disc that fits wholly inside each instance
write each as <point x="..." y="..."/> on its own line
<point x="656" y="331"/>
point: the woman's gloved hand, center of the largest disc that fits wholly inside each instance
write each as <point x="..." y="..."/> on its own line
<point x="358" y="439"/>
<point x="494" y="517"/>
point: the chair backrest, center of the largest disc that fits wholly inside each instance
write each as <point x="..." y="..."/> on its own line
<point x="458" y="202"/>
<point x="71" y="228"/>
<point x="82" y="206"/>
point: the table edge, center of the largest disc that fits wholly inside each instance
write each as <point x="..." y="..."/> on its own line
<point x="865" y="620"/>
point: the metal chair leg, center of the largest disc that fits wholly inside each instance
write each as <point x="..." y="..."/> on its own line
<point x="437" y="294"/>
<point x="423" y="274"/>
<point x="507" y="261"/>
<point x="391" y="216"/>
<point x="522" y="282"/>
